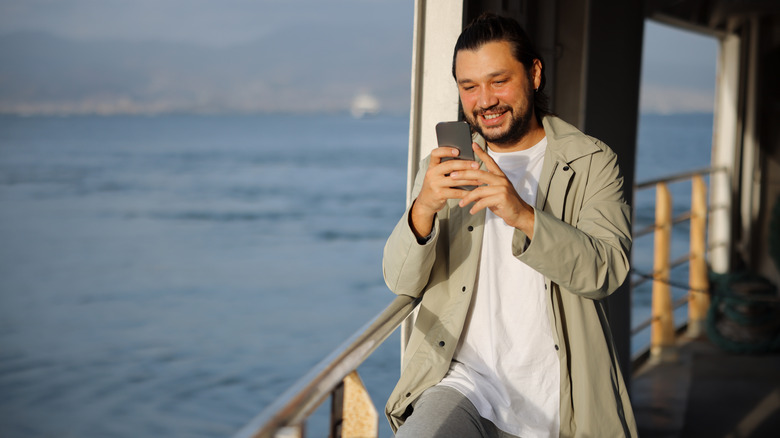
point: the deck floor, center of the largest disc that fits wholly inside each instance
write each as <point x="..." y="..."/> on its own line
<point x="707" y="392"/>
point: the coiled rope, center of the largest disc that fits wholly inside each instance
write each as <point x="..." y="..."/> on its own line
<point x="744" y="313"/>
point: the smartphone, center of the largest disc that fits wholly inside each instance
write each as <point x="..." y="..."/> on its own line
<point x="456" y="135"/>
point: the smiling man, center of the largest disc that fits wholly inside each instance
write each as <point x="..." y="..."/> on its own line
<point x="511" y="339"/>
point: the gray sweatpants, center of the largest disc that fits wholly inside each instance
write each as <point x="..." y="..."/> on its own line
<point x="443" y="412"/>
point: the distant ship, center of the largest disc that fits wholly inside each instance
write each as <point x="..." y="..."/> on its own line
<point x="364" y="105"/>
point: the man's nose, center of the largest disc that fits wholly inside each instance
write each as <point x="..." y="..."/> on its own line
<point x="487" y="98"/>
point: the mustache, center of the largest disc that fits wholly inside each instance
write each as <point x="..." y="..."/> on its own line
<point x="495" y="108"/>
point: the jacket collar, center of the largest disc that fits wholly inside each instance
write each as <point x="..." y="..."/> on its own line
<point x="565" y="145"/>
<point x="565" y="141"/>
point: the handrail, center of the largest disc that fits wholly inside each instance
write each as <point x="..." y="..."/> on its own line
<point x="298" y="402"/>
<point x="661" y="320"/>
<point x="682" y="176"/>
<point x="681" y="218"/>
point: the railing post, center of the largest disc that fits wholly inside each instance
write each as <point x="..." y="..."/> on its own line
<point x="662" y="338"/>
<point x="699" y="299"/>
<point x="353" y="414"/>
<point x="336" y="411"/>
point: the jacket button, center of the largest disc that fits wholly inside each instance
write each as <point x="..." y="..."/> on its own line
<point x="408" y="394"/>
<point x="441" y="343"/>
<point x="556" y="348"/>
<point x="565" y="168"/>
<point x="471" y="228"/>
<point x="463" y="289"/>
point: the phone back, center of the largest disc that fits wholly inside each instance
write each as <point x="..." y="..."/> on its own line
<point x="456" y="135"/>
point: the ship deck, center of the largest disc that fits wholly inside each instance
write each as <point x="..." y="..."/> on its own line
<point x="708" y="392"/>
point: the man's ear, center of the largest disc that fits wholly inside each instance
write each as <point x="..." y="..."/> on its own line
<point x="536" y="73"/>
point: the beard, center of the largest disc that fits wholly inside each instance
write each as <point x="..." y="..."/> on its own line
<point x="519" y="124"/>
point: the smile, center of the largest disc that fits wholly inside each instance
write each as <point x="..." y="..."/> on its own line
<point x="496" y="116"/>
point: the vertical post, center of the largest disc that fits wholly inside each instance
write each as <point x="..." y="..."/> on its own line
<point x="725" y="143"/>
<point x="609" y="109"/>
<point x="353" y="414"/>
<point x="750" y="191"/>
<point x="336" y="411"/>
<point x="437" y="24"/>
<point x="662" y="328"/>
<point x="698" y="298"/>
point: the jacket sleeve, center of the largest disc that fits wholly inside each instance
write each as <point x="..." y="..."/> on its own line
<point x="591" y="257"/>
<point x="407" y="264"/>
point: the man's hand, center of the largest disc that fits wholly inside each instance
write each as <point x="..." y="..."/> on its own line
<point x="438" y="186"/>
<point x="497" y="193"/>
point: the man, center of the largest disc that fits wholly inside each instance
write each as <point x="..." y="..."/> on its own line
<point x="510" y="339"/>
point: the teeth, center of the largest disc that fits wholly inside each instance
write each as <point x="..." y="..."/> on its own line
<point x="491" y="116"/>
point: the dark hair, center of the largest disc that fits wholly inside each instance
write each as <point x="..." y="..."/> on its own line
<point x="489" y="27"/>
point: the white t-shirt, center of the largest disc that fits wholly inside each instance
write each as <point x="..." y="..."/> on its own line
<point x="506" y="362"/>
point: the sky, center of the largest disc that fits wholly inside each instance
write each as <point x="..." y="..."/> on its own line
<point x="210" y="22"/>
<point x="678" y="70"/>
<point x="678" y="66"/>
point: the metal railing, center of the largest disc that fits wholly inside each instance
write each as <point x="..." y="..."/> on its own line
<point x="661" y="322"/>
<point x="336" y="375"/>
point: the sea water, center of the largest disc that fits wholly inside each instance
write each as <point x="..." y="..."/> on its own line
<point x="171" y="276"/>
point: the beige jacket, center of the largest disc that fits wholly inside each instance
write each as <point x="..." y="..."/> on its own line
<point x="582" y="237"/>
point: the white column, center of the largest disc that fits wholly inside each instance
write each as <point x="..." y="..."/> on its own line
<point x="750" y="199"/>
<point x="724" y="146"/>
<point x="437" y="25"/>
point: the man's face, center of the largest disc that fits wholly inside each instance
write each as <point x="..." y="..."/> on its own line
<point x="496" y="92"/>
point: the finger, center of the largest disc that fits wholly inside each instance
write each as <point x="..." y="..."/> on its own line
<point x="441" y="152"/>
<point x="494" y="203"/>
<point x="487" y="159"/>
<point x="481" y="176"/>
<point x="482" y="195"/>
<point x="486" y="204"/>
<point x="455" y="178"/>
<point x="464" y="183"/>
<point x="453" y="193"/>
<point x="460" y="167"/>
<point x="448" y="168"/>
<point x="475" y="195"/>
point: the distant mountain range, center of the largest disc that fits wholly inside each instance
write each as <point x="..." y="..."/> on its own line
<point x="303" y="70"/>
